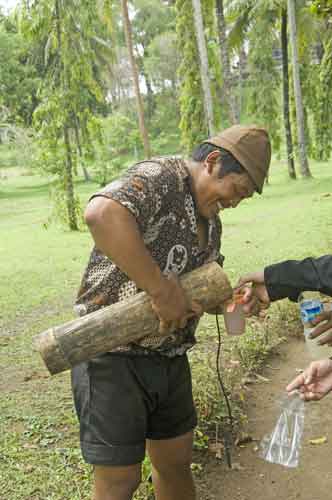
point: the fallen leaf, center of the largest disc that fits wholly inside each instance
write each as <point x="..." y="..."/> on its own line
<point x="272" y="367"/>
<point x="241" y="396"/>
<point x="320" y="440"/>
<point x="29" y="468"/>
<point x="35" y="375"/>
<point x="237" y="466"/>
<point x="244" y="439"/>
<point x="260" y="377"/>
<point x="30" y="446"/>
<point x="247" y="380"/>
<point x="217" y="448"/>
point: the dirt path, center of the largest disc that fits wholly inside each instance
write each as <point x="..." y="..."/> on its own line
<point x="256" y="479"/>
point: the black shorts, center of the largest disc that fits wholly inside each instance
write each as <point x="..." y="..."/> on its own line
<point x="123" y="400"/>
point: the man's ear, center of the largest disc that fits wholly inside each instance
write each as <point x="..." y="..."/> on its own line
<point x="211" y="160"/>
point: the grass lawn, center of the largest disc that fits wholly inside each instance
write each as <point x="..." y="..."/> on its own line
<point x="41" y="270"/>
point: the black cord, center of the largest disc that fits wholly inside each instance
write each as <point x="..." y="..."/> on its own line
<point x="228" y="431"/>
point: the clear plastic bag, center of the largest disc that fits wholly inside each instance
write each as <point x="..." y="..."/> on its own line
<point x="283" y="445"/>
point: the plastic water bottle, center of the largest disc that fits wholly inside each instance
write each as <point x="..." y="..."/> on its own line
<point x="309" y="310"/>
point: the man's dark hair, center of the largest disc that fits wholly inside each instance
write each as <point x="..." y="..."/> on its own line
<point x="228" y="163"/>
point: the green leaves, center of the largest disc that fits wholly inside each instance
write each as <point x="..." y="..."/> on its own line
<point x="71" y="37"/>
<point x="19" y="78"/>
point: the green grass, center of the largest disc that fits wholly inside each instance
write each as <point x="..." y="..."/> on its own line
<point x="41" y="270"/>
<point x="41" y="265"/>
<point x="292" y="219"/>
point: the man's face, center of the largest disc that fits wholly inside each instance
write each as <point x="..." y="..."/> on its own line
<point x="214" y="193"/>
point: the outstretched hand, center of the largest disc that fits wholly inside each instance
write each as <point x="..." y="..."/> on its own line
<point x="315" y="382"/>
<point x="255" y="297"/>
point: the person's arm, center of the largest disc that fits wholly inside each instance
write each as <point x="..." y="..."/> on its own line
<point x="116" y="234"/>
<point x="315" y="381"/>
<point x="291" y="277"/>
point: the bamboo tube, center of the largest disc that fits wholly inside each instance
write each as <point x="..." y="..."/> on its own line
<point x="81" y="339"/>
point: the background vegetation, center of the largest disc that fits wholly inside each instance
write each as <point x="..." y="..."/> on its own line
<point x="76" y="108"/>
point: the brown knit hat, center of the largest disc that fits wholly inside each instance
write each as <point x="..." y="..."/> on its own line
<point x="250" y="146"/>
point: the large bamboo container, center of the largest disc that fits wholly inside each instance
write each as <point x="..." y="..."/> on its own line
<point x="81" y="339"/>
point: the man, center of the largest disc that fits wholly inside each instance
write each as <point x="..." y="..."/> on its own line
<point x="289" y="279"/>
<point x="158" y="221"/>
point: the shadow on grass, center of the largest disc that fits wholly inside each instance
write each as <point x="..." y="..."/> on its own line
<point x="25" y="192"/>
<point x="39" y="190"/>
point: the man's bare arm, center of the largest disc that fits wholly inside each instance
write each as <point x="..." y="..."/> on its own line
<point x="116" y="234"/>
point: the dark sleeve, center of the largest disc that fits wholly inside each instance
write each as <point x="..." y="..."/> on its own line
<point x="291" y="277"/>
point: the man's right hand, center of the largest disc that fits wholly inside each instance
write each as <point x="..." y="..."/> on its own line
<point x="172" y="306"/>
<point x="255" y="297"/>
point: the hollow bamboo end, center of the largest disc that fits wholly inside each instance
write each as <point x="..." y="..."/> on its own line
<point x="48" y="347"/>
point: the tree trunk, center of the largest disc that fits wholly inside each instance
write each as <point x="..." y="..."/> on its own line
<point x="285" y="89"/>
<point x="304" y="166"/>
<point x="69" y="184"/>
<point x="204" y="65"/>
<point x="127" y="321"/>
<point x="140" y="110"/>
<point x="228" y="96"/>
<point x="150" y="95"/>
<point x="86" y="174"/>
<point x="68" y="164"/>
<point x="241" y="83"/>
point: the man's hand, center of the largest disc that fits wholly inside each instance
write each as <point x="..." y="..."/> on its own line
<point x="173" y="307"/>
<point x="255" y="297"/>
<point x="114" y="229"/>
<point x="325" y="317"/>
<point x="315" y="382"/>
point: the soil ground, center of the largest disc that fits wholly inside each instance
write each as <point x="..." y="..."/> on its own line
<point x="252" y="477"/>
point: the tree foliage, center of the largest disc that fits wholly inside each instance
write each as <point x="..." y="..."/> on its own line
<point x="322" y="7"/>
<point x="264" y="99"/>
<point x="19" y="77"/>
<point x="192" y="124"/>
<point x="162" y="62"/>
<point x="68" y="66"/>
<point x="71" y="89"/>
<point x="324" y="106"/>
